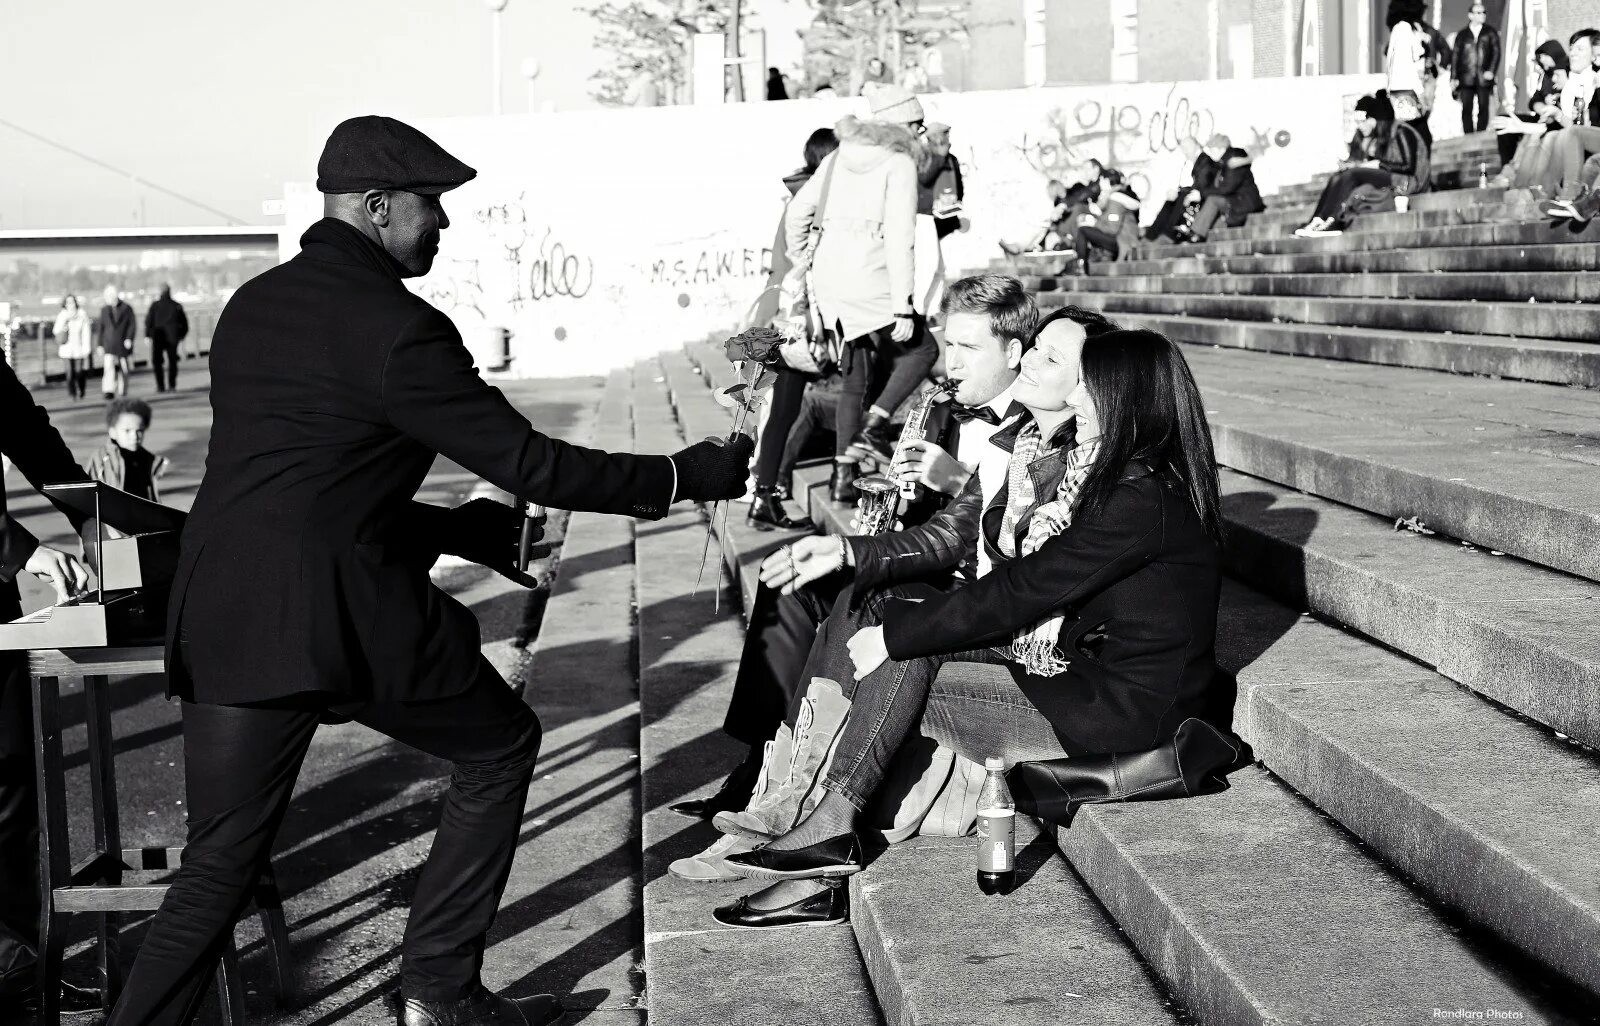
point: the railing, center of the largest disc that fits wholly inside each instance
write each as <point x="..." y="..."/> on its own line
<point x="35" y="350"/>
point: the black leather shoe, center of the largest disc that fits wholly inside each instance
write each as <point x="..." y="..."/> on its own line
<point x="482" y="1009"/>
<point x="837" y="856"/>
<point x="873" y="441"/>
<point x="732" y="796"/>
<point x="767" y="512"/>
<point x="23" y="996"/>
<point x="829" y="906"/>
<point x="843" y="486"/>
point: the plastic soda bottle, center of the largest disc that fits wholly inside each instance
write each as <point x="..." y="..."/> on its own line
<point x="997" y="831"/>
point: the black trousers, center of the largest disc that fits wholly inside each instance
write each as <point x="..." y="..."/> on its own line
<point x="240" y="767"/>
<point x="1172" y="215"/>
<point x="1345" y="181"/>
<point x="776" y="645"/>
<point x="1476" y="100"/>
<point x="164" y="361"/>
<point x="876" y="356"/>
<point x="787" y="393"/>
<point x="19" y="814"/>
<point x="1091" y="238"/>
<point x="77" y="378"/>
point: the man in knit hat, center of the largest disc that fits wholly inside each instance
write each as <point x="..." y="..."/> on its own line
<point x="854" y="223"/>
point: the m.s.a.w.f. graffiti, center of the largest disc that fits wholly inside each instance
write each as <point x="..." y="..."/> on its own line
<point x="709" y="266"/>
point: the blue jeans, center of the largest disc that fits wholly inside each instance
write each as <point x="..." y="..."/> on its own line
<point x="975" y="711"/>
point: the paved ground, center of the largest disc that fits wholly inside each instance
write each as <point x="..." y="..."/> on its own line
<point x="365" y="807"/>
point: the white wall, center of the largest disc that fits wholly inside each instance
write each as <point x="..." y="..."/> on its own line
<point x="599" y="237"/>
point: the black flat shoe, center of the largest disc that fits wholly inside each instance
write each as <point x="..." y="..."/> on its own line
<point x="732" y="796"/>
<point x="834" y="857"/>
<point x="829" y="906"/>
<point x="483" y="1009"/>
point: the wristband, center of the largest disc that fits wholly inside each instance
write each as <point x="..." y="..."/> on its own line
<point x="905" y="317"/>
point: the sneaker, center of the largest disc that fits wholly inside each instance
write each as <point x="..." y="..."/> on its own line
<point x="1586" y="207"/>
<point x="1313" y="225"/>
<point x="1328" y="230"/>
<point x="1559" y="209"/>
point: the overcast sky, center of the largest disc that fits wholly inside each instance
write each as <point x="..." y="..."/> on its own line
<point x="224" y="100"/>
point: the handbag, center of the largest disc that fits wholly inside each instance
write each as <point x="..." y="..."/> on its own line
<point x="1407" y="107"/>
<point x="1193" y="762"/>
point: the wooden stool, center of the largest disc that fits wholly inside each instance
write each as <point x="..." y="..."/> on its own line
<point x="95" y="884"/>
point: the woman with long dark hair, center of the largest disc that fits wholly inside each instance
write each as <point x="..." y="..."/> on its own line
<point x="1101" y="605"/>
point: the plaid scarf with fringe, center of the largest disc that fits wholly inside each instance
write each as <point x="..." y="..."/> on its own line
<point x="1037" y="648"/>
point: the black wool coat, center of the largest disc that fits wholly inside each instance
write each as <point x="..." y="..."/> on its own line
<point x="1138" y="586"/>
<point x="35" y="447"/>
<point x="115" y="328"/>
<point x="166" y="322"/>
<point x="304" y="562"/>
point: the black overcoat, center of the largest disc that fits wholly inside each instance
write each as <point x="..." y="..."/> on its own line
<point x="304" y="563"/>
<point x="31" y="443"/>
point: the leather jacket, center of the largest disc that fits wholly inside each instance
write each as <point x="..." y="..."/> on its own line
<point x="1472" y="57"/>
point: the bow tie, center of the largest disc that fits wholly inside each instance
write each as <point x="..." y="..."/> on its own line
<point x="962" y="414"/>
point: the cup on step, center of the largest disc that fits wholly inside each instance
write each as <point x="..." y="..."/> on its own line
<point x="1402" y="204"/>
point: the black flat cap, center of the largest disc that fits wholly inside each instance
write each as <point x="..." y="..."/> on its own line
<point x="373" y="152"/>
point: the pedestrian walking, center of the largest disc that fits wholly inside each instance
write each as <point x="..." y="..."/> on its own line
<point x="74" y="344"/>
<point x="166" y="325"/>
<point x="115" y="328"/>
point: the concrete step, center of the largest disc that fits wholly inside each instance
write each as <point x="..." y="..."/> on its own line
<point x="1522" y="259"/>
<point x="1573" y="321"/>
<point x="1404" y="759"/>
<point x="697" y="970"/>
<point x="1307" y="692"/>
<point x="1528" y="359"/>
<point x="1483" y="286"/>
<point x="1257" y="909"/>
<point x="1271" y="224"/>
<point x="1506" y="465"/>
<point x="1520" y="635"/>
<point x="1343" y="722"/>
<point x="1508" y="233"/>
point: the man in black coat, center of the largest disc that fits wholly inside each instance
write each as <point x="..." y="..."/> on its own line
<point x="302" y="588"/>
<point x="29" y="441"/>
<point x="1226" y="184"/>
<point x="115" y="328"/>
<point x="1475" y="63"/>
<point x="165" y="326"/>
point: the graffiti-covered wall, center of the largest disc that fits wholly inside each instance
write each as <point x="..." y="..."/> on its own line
<point x="598" y="237"/>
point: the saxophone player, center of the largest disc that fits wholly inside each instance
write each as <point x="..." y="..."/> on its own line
<point x="987" y="318"/>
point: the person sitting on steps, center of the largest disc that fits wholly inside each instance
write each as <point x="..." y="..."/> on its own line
<point x="1387" y="159"/>
<point x="1100" y="602"/>
<point x="988" y="320"/>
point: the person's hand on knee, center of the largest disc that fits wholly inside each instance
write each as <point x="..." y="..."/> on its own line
<point x="867" y="651"/>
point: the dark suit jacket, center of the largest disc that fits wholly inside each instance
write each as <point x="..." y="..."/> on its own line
<point x="166" y="322"/>
<point x="1472" y="57"/>
<point x="304" y="563"/>
<point x="1138" y="586"/>
<point x="116" y="327"/>
<point x="28" y="439"/>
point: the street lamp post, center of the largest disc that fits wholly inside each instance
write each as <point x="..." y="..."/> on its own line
<point x="495" y="9"/>
<point x="530" y="71"/>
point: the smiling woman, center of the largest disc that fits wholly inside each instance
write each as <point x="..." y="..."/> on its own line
<point x="1098" y="616"/>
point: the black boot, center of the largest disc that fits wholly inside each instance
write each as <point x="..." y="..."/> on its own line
<point x="732" y="796"/>
<point x="482" y="1009"/>
<point x="843" y="487"/>
<point x="767" y="512"/>
<point x="873" y="441"/>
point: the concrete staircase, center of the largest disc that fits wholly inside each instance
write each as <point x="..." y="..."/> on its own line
<point x="1419" y="832"/>
<point x="1417" y="839"/>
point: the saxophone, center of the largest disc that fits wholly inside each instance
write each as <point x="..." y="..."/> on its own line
<point x="880" y="495"/>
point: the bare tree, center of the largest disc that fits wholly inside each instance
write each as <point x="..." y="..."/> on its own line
<point x="651" y="37"/>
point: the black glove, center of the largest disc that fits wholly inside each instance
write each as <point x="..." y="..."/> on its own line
<point x="714" y="469"/>
<point x="487" y="532"/>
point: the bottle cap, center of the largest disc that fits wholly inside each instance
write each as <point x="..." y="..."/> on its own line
<point x="994" y="764"/>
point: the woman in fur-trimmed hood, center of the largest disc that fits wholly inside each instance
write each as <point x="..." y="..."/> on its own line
<point x="854" y="224"/>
